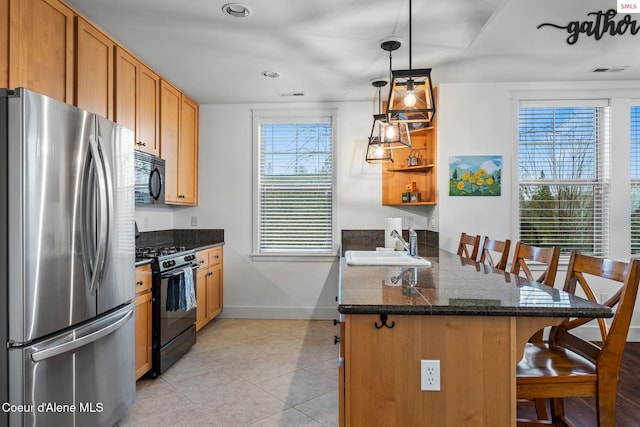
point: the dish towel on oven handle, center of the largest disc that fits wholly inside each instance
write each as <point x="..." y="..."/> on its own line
<point x="188" y="290"/>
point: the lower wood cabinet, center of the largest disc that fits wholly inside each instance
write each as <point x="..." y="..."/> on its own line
<point x="143" y="320"/>
<point x="209" y="285"/>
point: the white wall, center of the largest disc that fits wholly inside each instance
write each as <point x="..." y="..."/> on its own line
<point x="294" y="289"/>
<point x="478" y="119"/>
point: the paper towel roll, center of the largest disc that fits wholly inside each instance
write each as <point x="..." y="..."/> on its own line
<point x="391" y="224"/>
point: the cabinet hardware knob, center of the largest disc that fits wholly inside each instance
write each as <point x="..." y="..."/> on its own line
<point x="335" y="322"/>
<point x="336" y="339"/>
<point x="201" y="261"/>
<point x="140" y="283"/>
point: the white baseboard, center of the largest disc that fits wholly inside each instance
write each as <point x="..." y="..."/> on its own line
<point x="292" y="313"/>
<point x="592" y="333"/>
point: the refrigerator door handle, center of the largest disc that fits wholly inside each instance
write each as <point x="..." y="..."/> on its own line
<point x="48" y="353"/>
<point x="109" y="207"/>
<point x="102" y="216"/>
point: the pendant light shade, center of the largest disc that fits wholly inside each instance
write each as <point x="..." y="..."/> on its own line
<point x="385" y="136"/>
<point x="411" y="96"/>
<point x="378" y="152"/>
<point x="411" y="93"/>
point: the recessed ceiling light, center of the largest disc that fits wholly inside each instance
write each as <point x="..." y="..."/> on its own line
<point x="270" y="74"/>
<point x="236" y="10"/>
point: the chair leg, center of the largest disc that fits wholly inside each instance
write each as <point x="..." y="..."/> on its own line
<point x="606" y="404"/>
<point x="557" y="412"/>
<point x="541" y="409"/>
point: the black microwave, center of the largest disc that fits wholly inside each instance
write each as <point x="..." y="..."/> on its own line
<point x="149" y="174"/>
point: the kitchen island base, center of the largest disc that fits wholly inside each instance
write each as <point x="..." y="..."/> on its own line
<point x="477" y="354"/>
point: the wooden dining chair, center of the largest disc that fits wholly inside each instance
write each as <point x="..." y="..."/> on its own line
<point x="570" y="366"/>
<point x="495" y="246"/>
<point x="469" y="246"/>
<point x="525" y="254"/>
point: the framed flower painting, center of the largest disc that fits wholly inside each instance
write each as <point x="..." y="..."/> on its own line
<point x="475" y="175"/>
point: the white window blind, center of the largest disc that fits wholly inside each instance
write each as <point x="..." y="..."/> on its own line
<point x="635" y="180"/>
<point x="295" y="186"/>
<point x="563" y="167"/>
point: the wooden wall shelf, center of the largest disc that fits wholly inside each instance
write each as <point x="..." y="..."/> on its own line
<point x="396" y="176"/>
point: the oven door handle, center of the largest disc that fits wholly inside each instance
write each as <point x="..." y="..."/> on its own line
<point x="178" y="273"/>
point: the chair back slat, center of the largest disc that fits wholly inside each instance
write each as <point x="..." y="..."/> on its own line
<point x="469" y="246"/>
<point x="498" y="246"/>
<point x="548" y="256"/>
<point x="622" y="279"/>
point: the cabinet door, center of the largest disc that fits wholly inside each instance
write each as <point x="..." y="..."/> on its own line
<point x="148" y="111"/>
<point x="4" y="43"/>
<point x="143" y="333"/>
<point x="126" y="90"/>
<point x="41" y="51"/>
<point x="170" y="101"/>
<point x="201" y="298"/>
<point x="188" y="152"/>
<point x="214" y="291"/>
<point x="94" y="70"/>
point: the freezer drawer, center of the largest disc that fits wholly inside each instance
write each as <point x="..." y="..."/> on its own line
<point x="83" y="377"/>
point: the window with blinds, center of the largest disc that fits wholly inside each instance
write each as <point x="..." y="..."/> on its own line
<point x="635" y="180"/>
<point x="563" y="166"/>
<point x="295" y="186"/>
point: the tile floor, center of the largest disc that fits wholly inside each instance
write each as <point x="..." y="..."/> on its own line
<point x="246" y="372"/>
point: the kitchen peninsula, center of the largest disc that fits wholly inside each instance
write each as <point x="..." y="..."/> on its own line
<point x="473" y="319"/>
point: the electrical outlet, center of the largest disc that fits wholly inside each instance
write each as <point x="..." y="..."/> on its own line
<point x="194" y="220"/>
<point x="430" y="375"/>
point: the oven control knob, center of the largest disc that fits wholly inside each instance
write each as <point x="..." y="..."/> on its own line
<point x="172" y="262"/>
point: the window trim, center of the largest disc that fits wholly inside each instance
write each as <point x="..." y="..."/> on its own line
<point x="559" y="98"/>
<point x="260" y="116"/>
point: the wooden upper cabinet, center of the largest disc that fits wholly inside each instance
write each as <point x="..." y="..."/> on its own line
<point x="137" y="100"/>
<point x="170" y="102"/>
<point x="126" y="89"/>
<point x="4" y="43"/>
<point x="188" y="152"/>
<point x="94" y="69"/>
<point x="179" y="145"/>
<point x="148" y="135"/>
<point x="41" y="49"/>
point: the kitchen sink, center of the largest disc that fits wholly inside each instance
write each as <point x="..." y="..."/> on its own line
<point x="382" y="258"/>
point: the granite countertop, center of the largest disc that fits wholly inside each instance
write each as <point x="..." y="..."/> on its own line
<point x="454" y="286"/>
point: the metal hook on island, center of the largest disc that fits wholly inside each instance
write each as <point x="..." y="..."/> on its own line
<point x="383" y="321"/>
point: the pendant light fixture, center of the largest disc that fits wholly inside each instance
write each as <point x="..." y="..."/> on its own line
<point x="379" y="151"/>
<point x="411" y="93"/>
<point x="386" y="136"/>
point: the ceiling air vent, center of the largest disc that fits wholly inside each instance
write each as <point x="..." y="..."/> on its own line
<point x="609" y="69"/>
<point x="292" y="93"/>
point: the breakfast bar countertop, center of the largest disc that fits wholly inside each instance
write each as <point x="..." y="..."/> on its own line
<point x="453" y="285"/>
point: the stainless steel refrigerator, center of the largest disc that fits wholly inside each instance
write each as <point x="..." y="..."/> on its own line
<point x="67" y="274"/>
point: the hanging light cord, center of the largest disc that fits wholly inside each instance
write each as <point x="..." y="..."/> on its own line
<point x="410" y="35"/>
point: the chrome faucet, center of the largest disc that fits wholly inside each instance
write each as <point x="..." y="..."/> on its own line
<point x="412" y="246"/>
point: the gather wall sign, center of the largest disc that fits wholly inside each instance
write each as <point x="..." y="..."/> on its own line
<point x="600" y="24"/>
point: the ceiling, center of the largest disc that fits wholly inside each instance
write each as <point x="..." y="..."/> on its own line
<point x="330" y="49"/>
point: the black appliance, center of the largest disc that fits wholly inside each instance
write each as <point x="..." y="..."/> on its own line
<point x="149" y="176"/>
<point x="174" y="330"/>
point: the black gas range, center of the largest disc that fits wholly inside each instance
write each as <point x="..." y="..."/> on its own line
<point x="174" y="312"/>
